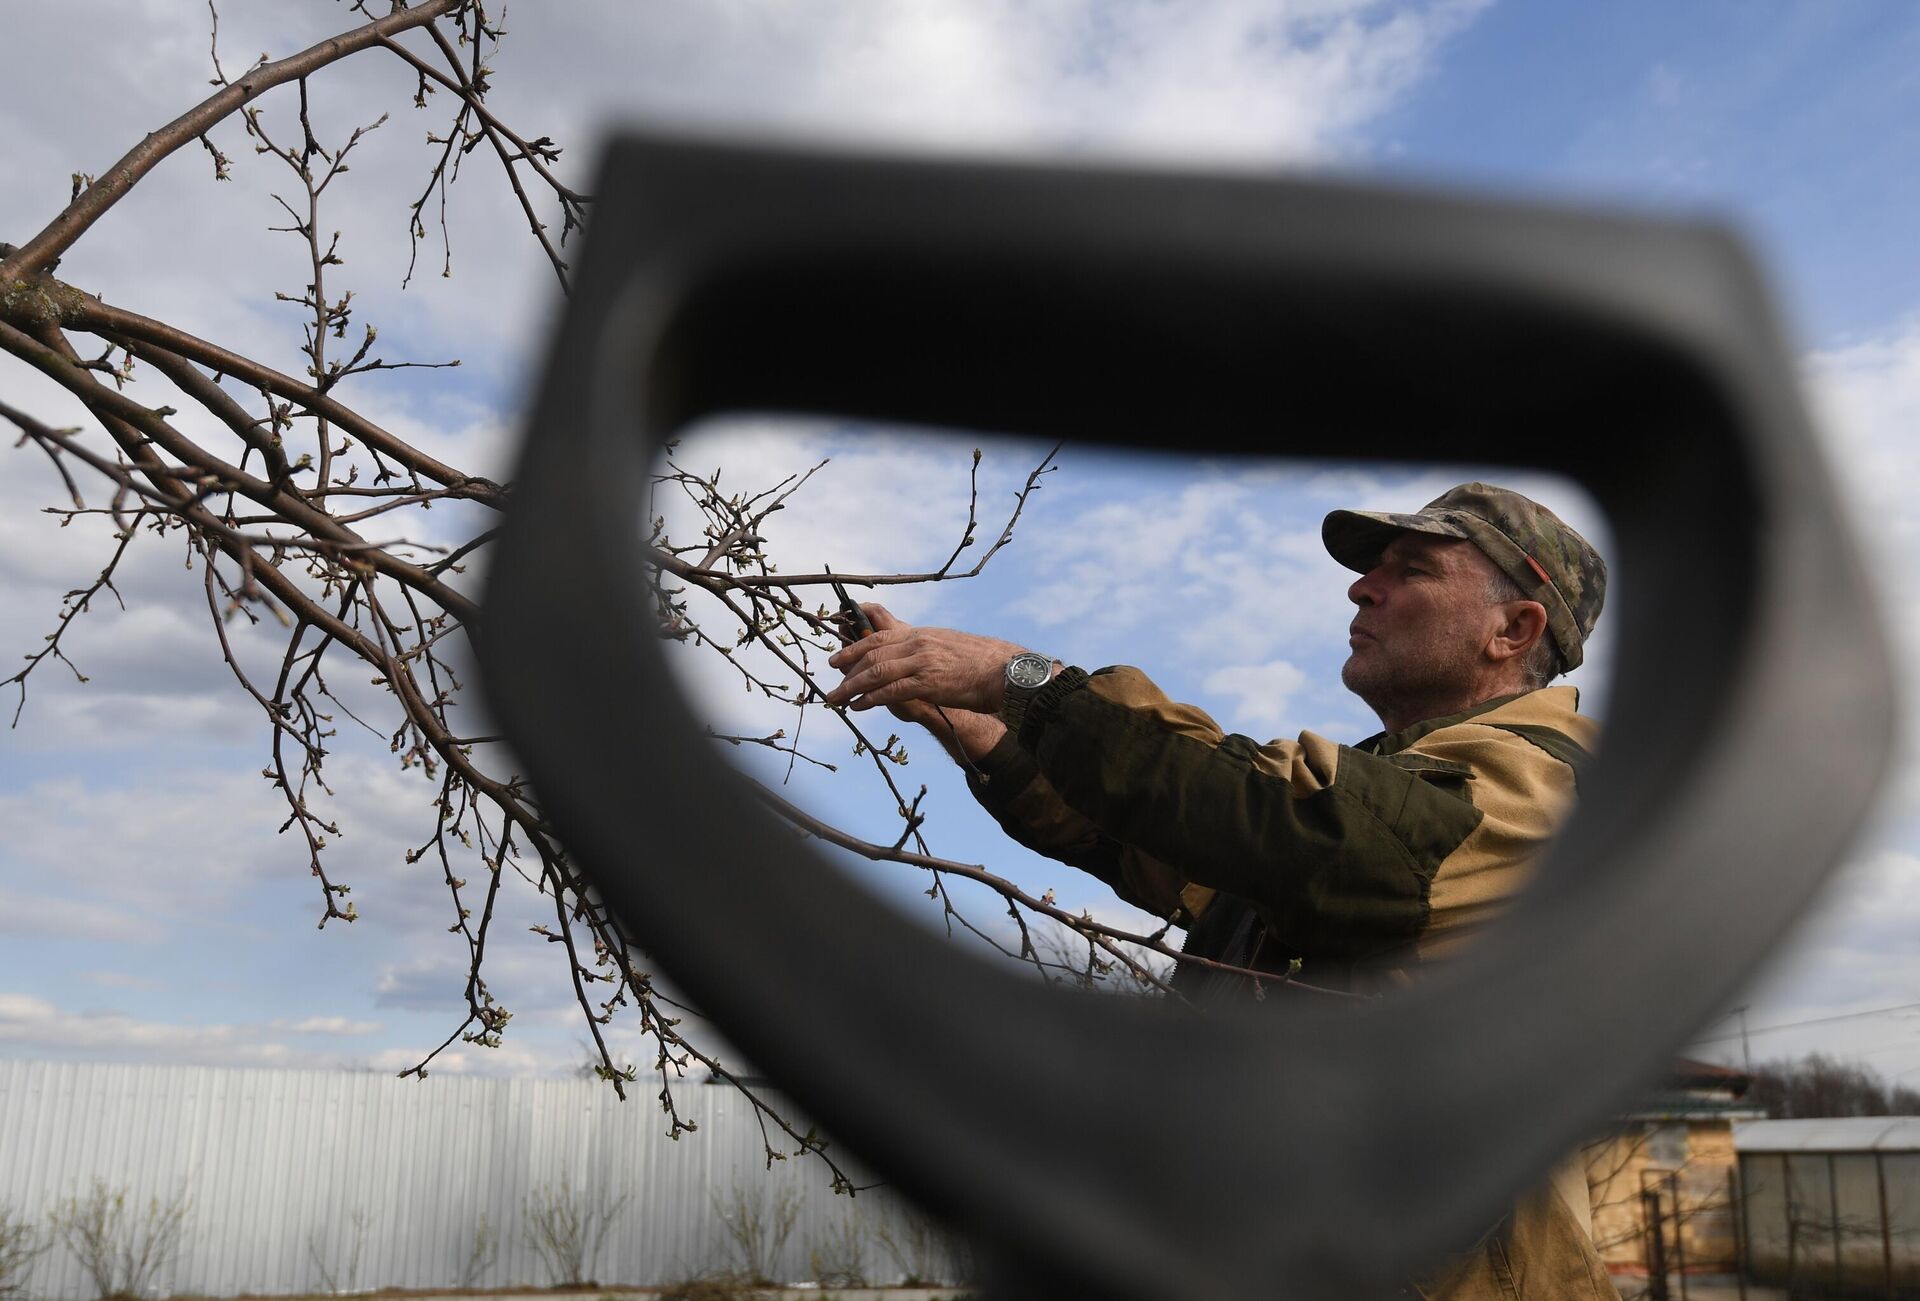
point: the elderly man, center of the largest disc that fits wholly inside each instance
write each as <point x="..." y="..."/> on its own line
<point x="1351" y="866"/>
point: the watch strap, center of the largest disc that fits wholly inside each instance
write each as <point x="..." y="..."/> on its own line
<point x="1017" y="696"/>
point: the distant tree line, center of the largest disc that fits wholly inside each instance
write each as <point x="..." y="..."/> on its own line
<point x="1818" y="1085"/>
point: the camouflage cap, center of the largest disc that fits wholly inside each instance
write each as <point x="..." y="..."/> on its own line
<point x="1551" y="563"/>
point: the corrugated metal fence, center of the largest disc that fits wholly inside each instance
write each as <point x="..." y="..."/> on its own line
<point x="309" y="1182"/>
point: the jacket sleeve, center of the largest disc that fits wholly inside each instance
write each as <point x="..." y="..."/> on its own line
<point x="1337" y="848"/>
<point x="1025" y="804"/>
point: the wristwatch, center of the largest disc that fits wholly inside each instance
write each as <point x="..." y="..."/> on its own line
<point x="1027" y="672"/>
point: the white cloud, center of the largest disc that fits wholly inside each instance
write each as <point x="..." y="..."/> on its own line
<point x="174" y="852"/>
<point x="40" y="1028"/>
<point x="326" y="1025"/>
<point x="41" y="915"/>
<point x="24" y="1007"/>
<point x="1236" y="80"/>
<point x="1868" y="391"/>
<point x="1867" y="397"/>
<point x="171" y="844"/>
<point x="507" y="1059"/>
<point x="526" y="974"/>
<point x="423" y="983"/>
<point x="120" y="980"/>
<point x="36" y="1027"/>
<point x="1261" y="693"/>
<point x="198" y="851"/>
<point x="1267" y="587"/>
<point x="1164" y="557"/>
<point x="1856" y="947"/>
<point x="1252" y="83"/>
<point x="1854" y="954"/>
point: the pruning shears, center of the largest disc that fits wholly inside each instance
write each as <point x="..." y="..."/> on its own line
<point x="851" y="612"/>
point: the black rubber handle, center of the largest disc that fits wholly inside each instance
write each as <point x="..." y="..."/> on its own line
<point x="1303" y="1151"/>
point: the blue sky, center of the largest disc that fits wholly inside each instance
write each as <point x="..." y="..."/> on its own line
<point x="148" y="911"/>
<point x="1797" y="117"/>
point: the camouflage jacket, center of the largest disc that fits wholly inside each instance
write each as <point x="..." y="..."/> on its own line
<point x="1358" y="859"/>
<point x="1358" y="863"/>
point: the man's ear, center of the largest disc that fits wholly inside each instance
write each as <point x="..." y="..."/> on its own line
<point x="1525" y="624"/>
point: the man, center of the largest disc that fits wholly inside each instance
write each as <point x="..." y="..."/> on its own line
<point x="1352" y="866"/>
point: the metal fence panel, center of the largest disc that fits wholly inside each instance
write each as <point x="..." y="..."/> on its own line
<point x="309" y="1182"/>
<point x="1857" y="1221"/>
<point x="1763" y="1193"/>
<point x="1902" y="1173"/>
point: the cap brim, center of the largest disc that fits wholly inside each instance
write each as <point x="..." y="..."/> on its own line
<point x="1357" y="537"/>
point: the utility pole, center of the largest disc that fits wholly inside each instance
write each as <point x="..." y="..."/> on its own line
<point x="1746" y="1053"/>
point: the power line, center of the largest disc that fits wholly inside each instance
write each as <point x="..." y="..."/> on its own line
<point x="1818" y="1020"/>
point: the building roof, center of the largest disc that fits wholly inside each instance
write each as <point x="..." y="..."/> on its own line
<point x="1689" y="1073"/>
<point x="1684" y="1104"/>
<point x="1696" y="1090"/>
<point x="1830" y="1134"/>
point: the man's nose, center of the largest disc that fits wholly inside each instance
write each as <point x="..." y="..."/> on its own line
<point x="1365" y="589"/>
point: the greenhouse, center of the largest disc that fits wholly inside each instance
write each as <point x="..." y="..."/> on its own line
<point x="1832" y="1205"/>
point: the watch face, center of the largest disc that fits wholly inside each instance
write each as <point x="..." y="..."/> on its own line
<point x="1029" y="670"/>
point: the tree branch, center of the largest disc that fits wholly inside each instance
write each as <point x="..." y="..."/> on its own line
<point x="44" y="249"/>
<point x="83" y="311"/>
<point x="284" y="501"/>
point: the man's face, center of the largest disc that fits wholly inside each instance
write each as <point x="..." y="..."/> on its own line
<point x="1423" y="621"/>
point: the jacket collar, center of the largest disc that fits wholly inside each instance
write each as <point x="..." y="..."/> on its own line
<point x="1555" y="707"/>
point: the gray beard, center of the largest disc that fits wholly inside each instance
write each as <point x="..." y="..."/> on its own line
<point x="1415" y="692"/>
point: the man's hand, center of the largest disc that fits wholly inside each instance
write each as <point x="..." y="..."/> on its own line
<point x="913" y="670"/>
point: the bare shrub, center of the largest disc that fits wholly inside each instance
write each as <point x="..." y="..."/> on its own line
<point x="567" y="1229"/>
<point x="925" y="1251"/>
<point x="481" y="1253"/>
<point x="121" y="1244"/>
<point x="20" y="1245"/>
<point x="758" y="1224"/>
<point x="837" y="1256"/>
<point x="322" y="1254"/>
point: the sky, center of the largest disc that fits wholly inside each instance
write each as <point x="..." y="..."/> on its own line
<point x="150" y="911"/>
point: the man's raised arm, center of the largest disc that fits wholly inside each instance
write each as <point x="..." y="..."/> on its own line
<point x="1000" y="776"/>
<point x="1338" y="848"/>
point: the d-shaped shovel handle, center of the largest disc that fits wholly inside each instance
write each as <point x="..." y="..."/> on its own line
<point x="1302" y="1152"/>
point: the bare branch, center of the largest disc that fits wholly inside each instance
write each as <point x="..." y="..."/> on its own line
<point x="61" y="304"/>
<point x="75" y="604"/>
<point x="154" y="427"/>
<point x="44" y="249"/>
<point x="1102" y="933"/>
<point x="49" y="440"/>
